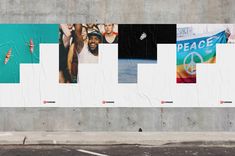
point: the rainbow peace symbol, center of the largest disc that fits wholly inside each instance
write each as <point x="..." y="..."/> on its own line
<point x="190" y="67"/>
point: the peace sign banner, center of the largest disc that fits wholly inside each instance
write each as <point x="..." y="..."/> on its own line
<point x="191" y="51"/>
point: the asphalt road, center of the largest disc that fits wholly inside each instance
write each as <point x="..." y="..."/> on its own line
<point x="115" y="150"/>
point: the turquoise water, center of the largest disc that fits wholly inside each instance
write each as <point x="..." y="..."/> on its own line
<point x="17" y="37"/>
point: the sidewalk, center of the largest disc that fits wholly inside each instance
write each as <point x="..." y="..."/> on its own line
<point x="111" y="138"/>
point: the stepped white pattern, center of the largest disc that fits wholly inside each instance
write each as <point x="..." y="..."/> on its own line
<point x="99" y="82"/>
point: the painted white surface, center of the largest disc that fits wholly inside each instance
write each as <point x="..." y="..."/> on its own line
<point x="98" y="82"/>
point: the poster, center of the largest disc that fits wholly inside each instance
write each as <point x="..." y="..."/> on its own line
<point x="117" y="65"/>
<point x="190" y="51"/>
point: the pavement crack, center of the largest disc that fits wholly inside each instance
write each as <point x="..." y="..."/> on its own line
<point x="24" y="140"/>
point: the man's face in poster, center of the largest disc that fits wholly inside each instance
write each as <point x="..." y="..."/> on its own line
<point x="108" y="28"/>
<point x="93" y="43"/>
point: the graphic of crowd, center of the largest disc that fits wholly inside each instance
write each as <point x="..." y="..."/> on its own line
<point x="78" y="43"/>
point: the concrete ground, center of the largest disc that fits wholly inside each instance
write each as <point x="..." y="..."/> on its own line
<point x="117" y="143"/>
<point x="113" y="138"/>
<point x="115" y="150"/>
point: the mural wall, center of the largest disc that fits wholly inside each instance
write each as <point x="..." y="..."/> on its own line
<point x="117" y="65"/>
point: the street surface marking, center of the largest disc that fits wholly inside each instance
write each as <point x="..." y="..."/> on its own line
<point x="92" y="153"/>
